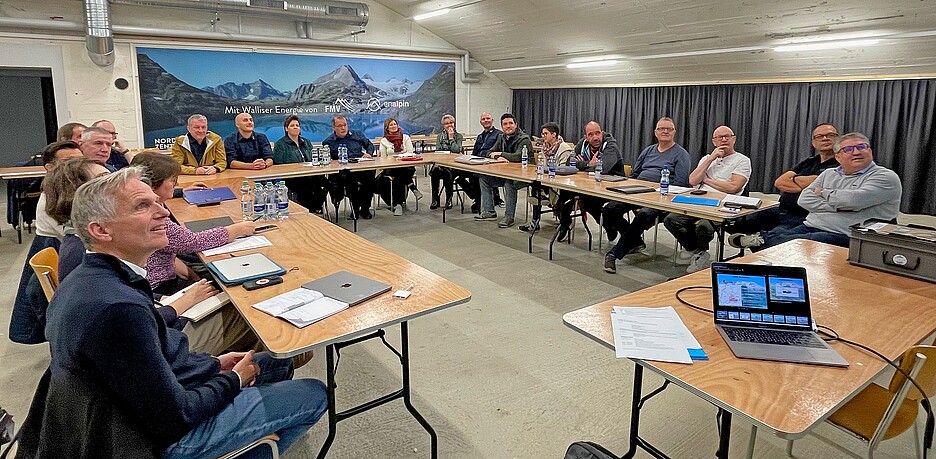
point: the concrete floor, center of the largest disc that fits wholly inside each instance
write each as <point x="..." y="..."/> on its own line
<point x="498" y="377"/>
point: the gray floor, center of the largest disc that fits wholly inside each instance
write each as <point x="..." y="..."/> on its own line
<point x="498" y="377"/>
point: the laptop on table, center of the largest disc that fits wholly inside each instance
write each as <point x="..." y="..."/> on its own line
<point x="763" y="312"/>
<point x="347" y="287"/>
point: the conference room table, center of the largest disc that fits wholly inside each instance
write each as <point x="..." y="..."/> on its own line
<point x="15" y="176"/>
<point x="309" y="247"/>
<point x="883" y="311"/>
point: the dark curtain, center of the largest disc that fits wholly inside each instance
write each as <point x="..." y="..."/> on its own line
<point x="773" y="122"/>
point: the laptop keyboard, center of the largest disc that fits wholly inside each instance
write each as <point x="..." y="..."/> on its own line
<point x="754" y="335"/>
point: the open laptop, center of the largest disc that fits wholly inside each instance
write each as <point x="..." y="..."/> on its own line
<point x="763" y="312"/>
<point x="347" y="287"/>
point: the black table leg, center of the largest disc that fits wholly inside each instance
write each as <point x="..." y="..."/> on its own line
<point x="407" y="393"/>
<point x="330" y="396"/>
<point x="724" y="433"/>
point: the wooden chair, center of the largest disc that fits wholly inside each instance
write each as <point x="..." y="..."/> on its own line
<point x="45" y="264"/>
<point x="269" y="440"/>
<point x="880" y="413"/>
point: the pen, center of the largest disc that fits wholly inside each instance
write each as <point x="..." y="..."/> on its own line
<point x="258" y="217"/>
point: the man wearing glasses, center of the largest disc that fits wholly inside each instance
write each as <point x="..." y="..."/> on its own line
<point x="791" y="183"/>
<point x="724" y="170"/>
<point x="120" y="156"/>
<point x="855" y="191"/>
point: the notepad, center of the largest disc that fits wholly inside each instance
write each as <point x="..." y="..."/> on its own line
<point x="712" y="202"/>
<point x="203" y="308"/>
<point x="301" y="307"/>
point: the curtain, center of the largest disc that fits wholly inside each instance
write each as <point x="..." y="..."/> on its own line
<point x="773" y="122"/>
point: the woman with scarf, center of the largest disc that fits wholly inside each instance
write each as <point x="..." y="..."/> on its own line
<point x="395" y="142"/>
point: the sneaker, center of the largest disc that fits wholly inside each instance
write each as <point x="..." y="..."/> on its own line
<point x="684" y="257"/>
<point x="638" y="248"/>
<point x="366" y="214"/>
<point x="434" y="205"/>
<point x="475" y="208"/>
<point x="610" y="263"/>
<point x="743" y="241"/>
<point x="507" y="222"/>
<point x="483" y="217"/>
<point x="563" y="233"/>
<point x="529" y="228"/>
<point x="398" y="210"/>
<point x="700" y="261"/>
<point x="448" y="203"/>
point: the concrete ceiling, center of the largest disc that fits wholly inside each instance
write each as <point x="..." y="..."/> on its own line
<point x="738" y="35"/>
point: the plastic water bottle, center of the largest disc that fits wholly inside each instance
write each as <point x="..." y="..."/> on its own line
<point x="324" y="156"/>
<point x="246" y="202"/>
<point x="552" y="167"/>
<point x="540" y="166"/>
<point x="572" y="159"/>
<point x="524" y="157"/>
<point x="343" y="154"/>
<point x="598" y="168"/>
<point x="269" y="192"/>
<point x="259" y="201"/>
<point x="282" y="200"/>
<point x="664" y="180"/>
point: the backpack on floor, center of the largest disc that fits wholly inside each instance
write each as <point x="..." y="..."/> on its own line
<point x="588" y="450"/>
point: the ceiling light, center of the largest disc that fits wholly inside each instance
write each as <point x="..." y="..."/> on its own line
<point x="602" y="63"/>
<point x="701" y="52"/>
<point x="826" y="45"/>
<point x="431" y="14"/>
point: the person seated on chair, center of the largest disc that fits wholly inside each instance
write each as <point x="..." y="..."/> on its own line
<point x="395" y="182"/>
<point x="199" y="151"/>
<point x="595" y="143"/>
<point x="508" y="148"/>
<point x="28" y="315"/>
<point x="486" y="140"/>
<point x="294" y="148"/>
<point x="649" y="166"/>
<point x="96" y="145"/>
<point x="791" y="183"/>
<point x="554" y="146"/>
<point x="359" y="184"/>
<point x="123" y="384"/>
<point x="246" y="149"/>
<point x="855" y="191"/>
<point x="448" y="141"/>
<point x="70" y="131"/>
<point x="120" y="155"/>
<point x="724" y="170"/>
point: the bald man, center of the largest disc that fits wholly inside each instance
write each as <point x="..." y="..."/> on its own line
<point x="120" y="156"/>
<point x="247" y="149"/>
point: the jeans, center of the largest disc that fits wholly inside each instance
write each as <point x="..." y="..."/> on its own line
<point x="288" y="408"/>
<point x="784" y="234"/>
<point x="693" y="233"/>
<point x="765" y="220"/>
<point x="488" y="184"/>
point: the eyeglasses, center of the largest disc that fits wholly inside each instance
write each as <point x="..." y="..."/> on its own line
<point x="664" y="129"/>
<point x="852" y="148"/>
<point x="831" y="135"/>
<point x="723" y="137"/>
<point x="114" y="133"/>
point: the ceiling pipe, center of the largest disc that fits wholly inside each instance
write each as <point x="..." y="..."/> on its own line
<point x="467" y="76"/>
<point x="99" y="38"/>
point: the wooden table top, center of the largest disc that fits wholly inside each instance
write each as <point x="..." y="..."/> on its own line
<point x="318" y="248"/>
<point x="7" y="173"/>
<point x="885" y="312"/>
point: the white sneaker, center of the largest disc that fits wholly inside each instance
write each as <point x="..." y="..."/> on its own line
<point x="398" y="210"/>
<point x="684" y="257"/>
<point x="700" y="261"/>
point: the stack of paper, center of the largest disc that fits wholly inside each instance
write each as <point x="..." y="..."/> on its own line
<point x="301" y="306"/>
<point x="246" y="243"/>
<point x="648" y="333"/>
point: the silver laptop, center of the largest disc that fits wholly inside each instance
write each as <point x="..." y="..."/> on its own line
<point x="763" y="312"/>
<point x="347" y="287"/>
<point x="471" y="159"/>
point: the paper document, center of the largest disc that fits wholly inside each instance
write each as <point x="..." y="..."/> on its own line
<point x="203" y="308"/>
<point x="676" y="189"/>
<point x="363" y="159"/>
<point x="301" y="306"/>
<point x="247" y="243"/>
<point x="652" y="334"/>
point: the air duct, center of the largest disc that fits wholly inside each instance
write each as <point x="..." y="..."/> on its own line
<point x="99" y="38"/>
<point x="321" y="11"/>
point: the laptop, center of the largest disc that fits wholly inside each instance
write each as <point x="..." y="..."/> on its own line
<point x="763" y="312"/>
<point x="237" y="270"/>
<point x="347" y="287"/>
<point x="471" y="159"/>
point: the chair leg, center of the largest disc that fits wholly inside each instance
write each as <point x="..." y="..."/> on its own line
<point x="916" y="440"/>
<point x="789" y="448"/>
<point x="750" y="445"/>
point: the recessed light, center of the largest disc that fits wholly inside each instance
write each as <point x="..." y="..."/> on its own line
<point x="601" y="63"/>
<point x="826" y="45"/>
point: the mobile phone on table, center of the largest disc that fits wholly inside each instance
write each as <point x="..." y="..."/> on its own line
<point x="262" y="282"/>
<point x="264" y="228"/>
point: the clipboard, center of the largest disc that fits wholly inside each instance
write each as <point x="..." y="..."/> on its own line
<point x="237" y="270"/>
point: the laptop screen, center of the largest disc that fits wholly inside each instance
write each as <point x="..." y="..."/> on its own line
<point x="760" y="296"/>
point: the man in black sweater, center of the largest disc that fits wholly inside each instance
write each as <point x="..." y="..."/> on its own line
<point x="122" y="383"/>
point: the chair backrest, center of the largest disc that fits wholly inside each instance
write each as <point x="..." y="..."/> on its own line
<point x="45" y="264"/>
<point x="926" y="378"/>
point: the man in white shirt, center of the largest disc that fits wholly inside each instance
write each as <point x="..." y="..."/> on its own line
<point x="724" y="170"/>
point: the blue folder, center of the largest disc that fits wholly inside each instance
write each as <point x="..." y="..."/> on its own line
<point x="697" y="201"/>
<point x="212" y="194"/>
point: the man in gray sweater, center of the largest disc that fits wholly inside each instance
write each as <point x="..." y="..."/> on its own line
<point x="855" y="191"/>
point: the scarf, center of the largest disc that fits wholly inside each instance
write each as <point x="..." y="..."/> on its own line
<point x="395" y="138"/>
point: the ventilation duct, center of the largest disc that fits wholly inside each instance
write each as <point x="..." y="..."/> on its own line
<point x="321" y="11"/>
<point x="99" y="38"/>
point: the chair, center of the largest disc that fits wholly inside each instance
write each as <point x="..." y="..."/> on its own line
<point x="45" y="264"/>
<point x="269" y="440"/>
<point x="880" y="413"/>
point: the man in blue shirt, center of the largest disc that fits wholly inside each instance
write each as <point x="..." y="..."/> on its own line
<point x="649" y="166"/>
<point x="482" y="147"/>
<point x="359" y="185"/>
<point x="246" y="149"/>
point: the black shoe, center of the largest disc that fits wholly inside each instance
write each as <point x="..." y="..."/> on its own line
<point x="529" y="228"/>
<point x="476" y="208"/>
<point x="610" y="263"/>
<point x="563" y="232"/>
<point x="448" y="203"/>
<point x="366" y="214"/>
<point x="434" y="205"/>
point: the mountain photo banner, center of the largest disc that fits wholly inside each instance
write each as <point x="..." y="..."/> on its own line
<point x="176" y="83"/>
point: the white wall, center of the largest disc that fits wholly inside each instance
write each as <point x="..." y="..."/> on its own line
<point x="85" y="92"/>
